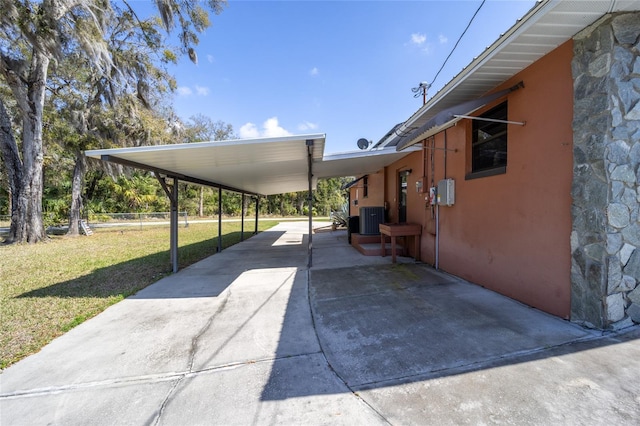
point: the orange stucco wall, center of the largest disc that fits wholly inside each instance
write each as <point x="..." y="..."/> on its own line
<point x="375" y="197"/>
<point x="509" y="232"/>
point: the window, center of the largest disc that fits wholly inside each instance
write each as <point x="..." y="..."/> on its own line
<point x="489" y="144"/>
<point x="365" y="183"/>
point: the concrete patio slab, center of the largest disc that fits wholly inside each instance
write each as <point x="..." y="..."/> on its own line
<point x="252" y="336"/>
<point x="377" y="323"/>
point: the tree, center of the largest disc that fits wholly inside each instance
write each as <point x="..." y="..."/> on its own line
<point x="202" y="128"/>
<point x="32" y="34"/>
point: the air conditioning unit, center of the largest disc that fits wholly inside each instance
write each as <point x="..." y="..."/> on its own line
<point x="370" y="219"/>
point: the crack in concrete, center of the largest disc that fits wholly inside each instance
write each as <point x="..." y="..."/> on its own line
<point x="192" y="355"/>
<point x="166" y="400"/>
<point x="195" y="340"/>
<point x="146" y="379"/>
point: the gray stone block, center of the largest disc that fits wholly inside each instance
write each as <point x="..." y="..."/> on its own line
<point x="628" y="96"/>
<point x="603" y="38"/>
<point x="625" y="253"/>
<point x="632" y="268"/>
<point x="627" y="322"/>
<point x="596" y="280"/>
<point x="618" y="152"/>
<point x="614" y="242"/>
<point x="595" y="251"/>
<point x="629" y="198"/>
<point x="636" y="66"/>
<point x="634" y="312"/>
<point x="628" y="283"/>
<point x="634" y="114"/>
<point x="618" y="215"/>
<point x="634" y="152"/>
<point x="631" y="234"/>
<point x="634" y="296"/>
<point x="624" y="173"/>
<point x="614" y="275"/>
<point x="598" y="170"/>
<point x="617" y="189"/>
<point x="615" y="307"/>
<point x="600" y="66"/>
<point x="626" y="28"/>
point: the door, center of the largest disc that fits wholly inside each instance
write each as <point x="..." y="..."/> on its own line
<point x="402" y="196"/>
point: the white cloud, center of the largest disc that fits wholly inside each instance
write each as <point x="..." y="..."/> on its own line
<point x="442" y="39"/>
<point x="202" y="91"/>
<point x="306" y="125"/>
<point x="210" y="59"/>
<point x="184" y="91"/>
<point x="270" y="129"/>
<point x="248" y="131"/>
<point x="314" y="71"/>
<point x="417" y="38"/>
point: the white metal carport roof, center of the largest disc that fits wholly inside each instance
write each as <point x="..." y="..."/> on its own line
<point x="254" y="166"/>
<point x="263" y="166"/>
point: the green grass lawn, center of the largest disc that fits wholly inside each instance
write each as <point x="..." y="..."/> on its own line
<point x="47" y="289"/>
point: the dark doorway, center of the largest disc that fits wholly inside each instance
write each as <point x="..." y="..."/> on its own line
<point x="402" y="196"/>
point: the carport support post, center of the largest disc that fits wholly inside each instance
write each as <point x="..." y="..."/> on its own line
<point x="255" y="232"/>
<point x="219" y="219"/>
<point x="172" y="194"/>
<point x="242" y="220"/>
<point x="310" y="173"/>
<point x="174" y="225"/>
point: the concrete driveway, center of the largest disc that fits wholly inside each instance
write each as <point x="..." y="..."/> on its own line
<point x="251" y="336"/>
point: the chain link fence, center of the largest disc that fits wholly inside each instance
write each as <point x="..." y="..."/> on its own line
<point x="105" y="220"/>
<point x="108" y="220"/>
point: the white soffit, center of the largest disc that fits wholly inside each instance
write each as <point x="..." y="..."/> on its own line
<point x="546" y="26"/>
<point x="358" y="163"/>
<point x="260" y="166"/>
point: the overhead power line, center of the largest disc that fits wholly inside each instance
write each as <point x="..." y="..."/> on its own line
<point x="457" y="42"/>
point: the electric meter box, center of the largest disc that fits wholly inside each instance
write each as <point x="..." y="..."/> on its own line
<point x="446" y="192"/>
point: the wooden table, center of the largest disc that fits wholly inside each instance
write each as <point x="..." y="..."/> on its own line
<point x="394" y="230"/>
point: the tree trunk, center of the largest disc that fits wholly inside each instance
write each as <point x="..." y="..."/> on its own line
<point x="300" y="204"/>
<point x="246" y="200"/>
<point x="26" y="215"/>
<point x="76" y="195"/>
<point x="201" y="203"/>
<point x="13" y="165"/>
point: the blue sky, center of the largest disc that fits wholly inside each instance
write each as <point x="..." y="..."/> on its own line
<point x="344" y="68"/>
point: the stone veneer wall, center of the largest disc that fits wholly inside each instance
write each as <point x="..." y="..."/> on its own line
<point x="605" y="240"/>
